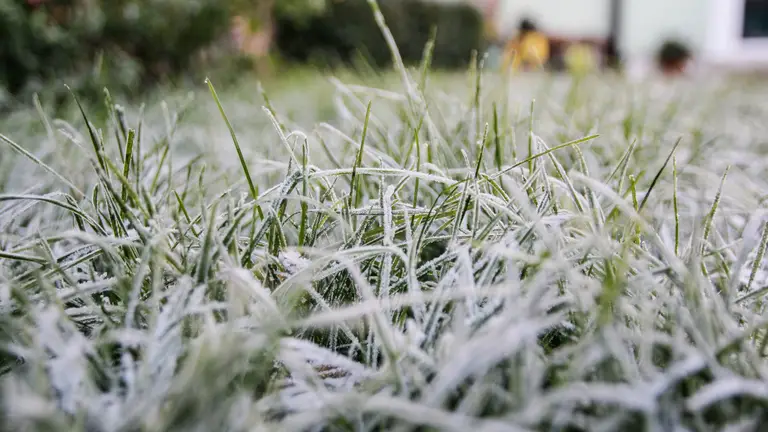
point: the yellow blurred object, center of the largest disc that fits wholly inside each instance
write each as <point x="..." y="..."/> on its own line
<point x="580" y="59"/>
<point x="529" y="51"/>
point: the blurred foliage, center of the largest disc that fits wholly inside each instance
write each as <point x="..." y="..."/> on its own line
<point x="163" y="35"/>
<point x="347" y="29"/>
<point x="263" y="11"/>
<point x="126" y="44"/>
<point x="130" y="45"/>
<point x="299" y="10"/>
<point x="33" y="41"/>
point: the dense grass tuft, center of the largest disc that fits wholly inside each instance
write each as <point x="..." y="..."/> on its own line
<point x="409" y="252"/>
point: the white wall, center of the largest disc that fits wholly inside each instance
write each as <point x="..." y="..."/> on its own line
<point x="588" y="18"/>
<point x="647" y="23"/>
<point x="724" y="43"/>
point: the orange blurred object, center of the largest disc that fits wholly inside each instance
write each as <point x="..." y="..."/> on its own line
<point x="527" y="51"/>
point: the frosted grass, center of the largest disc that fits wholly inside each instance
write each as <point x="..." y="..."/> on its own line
<point x="448" y="262"/>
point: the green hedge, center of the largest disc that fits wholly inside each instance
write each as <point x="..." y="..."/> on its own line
<point x="347" y="29"/>
<point x="131" y="43"/>
<point x="164" y="35"/>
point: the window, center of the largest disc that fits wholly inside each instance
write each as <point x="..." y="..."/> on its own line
<point x="755" y="24"/>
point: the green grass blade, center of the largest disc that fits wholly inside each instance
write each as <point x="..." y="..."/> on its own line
<point x="675" y="208"/>
<point x="97" y="143"/>
<point x="128" y="158"/>
<point x="658" y="174"/>
<point x="710" y="218"/>
<point x="40" y="163"/>
<point x="544" y="153"/>
<point x="354" y="191"/>
<point x="251" y="186"/>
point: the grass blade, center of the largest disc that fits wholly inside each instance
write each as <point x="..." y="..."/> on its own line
<point x="251" y="186"/>
<point x="658" y="174"/>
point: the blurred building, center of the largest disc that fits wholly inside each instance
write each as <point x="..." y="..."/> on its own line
<point x="729" y="33"/>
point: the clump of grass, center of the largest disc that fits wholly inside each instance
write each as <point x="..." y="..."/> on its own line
<point x="394" y="267"/>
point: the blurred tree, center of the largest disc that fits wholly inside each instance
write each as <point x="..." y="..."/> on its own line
<point x="299" y="9"/>
<point x="142" y="28"/>
<point x="347" y="32"/>
<point x="253" y="24"/>
<point x="296" y="8"/>
<point x="132" y="43"/>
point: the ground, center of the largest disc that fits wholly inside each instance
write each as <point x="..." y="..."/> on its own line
<point x="443" y="250"/>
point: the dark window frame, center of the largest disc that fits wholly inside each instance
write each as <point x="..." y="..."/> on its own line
<point x="754" y="20"/>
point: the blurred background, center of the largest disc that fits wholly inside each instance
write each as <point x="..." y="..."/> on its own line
<point x="131" y="46"/>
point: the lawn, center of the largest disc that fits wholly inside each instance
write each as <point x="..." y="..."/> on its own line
<point x="444" y="251"/>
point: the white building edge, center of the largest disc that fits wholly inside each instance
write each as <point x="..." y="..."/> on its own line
<point x="713" y="29"/>
<point x="725" y="43"/>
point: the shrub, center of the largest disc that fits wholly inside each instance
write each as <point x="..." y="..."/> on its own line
<point x="347" y="29"/>
<point x="163" y="35"/>
<point x="134" y="42"/>
<point x="672" y="55"/>
<point x="33" y="42"/>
